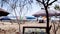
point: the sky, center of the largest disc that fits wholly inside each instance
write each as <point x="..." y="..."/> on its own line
<point x="30" y="12"/>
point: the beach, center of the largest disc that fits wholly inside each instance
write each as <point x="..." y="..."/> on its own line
<point x="9" y="28"/>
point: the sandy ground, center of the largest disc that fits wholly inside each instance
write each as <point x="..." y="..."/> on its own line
<point x="8" y="28"/>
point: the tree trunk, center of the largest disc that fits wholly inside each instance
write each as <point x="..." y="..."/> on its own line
<point x="47" y="16"/>
<point x="19" y="29"/>
<point x="17" y="21"/>
<point x="54" y="30"/>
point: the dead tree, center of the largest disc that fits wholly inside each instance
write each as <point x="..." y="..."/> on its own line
<point x="46" y="4"/>
<point x="22" y="4"/>
<point x="55" y="27"/>
<point x="56" y="24"/>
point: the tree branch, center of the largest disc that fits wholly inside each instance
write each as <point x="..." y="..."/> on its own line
<point x="57" y="27"/>
<point x="39" y="1"/>
<point x="52" y="2"/>
<point x="50" y="27"/>
<point x="42" y="2"/>
<point x="47" y="2"/>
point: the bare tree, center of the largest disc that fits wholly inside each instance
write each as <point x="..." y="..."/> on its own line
<point x="55" y="27"/>
<point x="22" y="4"/>
<point x="56" y="24"/>
<point x="46" y="4"/>
<point x="13" y="7"/>
<point x="3" y="1"/>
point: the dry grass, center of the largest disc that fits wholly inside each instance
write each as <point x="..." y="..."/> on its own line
<point x="8" y="28"/>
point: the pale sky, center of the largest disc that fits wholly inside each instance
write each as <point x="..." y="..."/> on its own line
<point x="35" y="8"/>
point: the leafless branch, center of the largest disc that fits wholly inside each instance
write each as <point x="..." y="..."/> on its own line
<point x="52" y="2"/>
<point x="39" y="1"/>
<point x="47" y="2"/>
<point x="57" y="27"/>
<point x="43" y="2"/>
